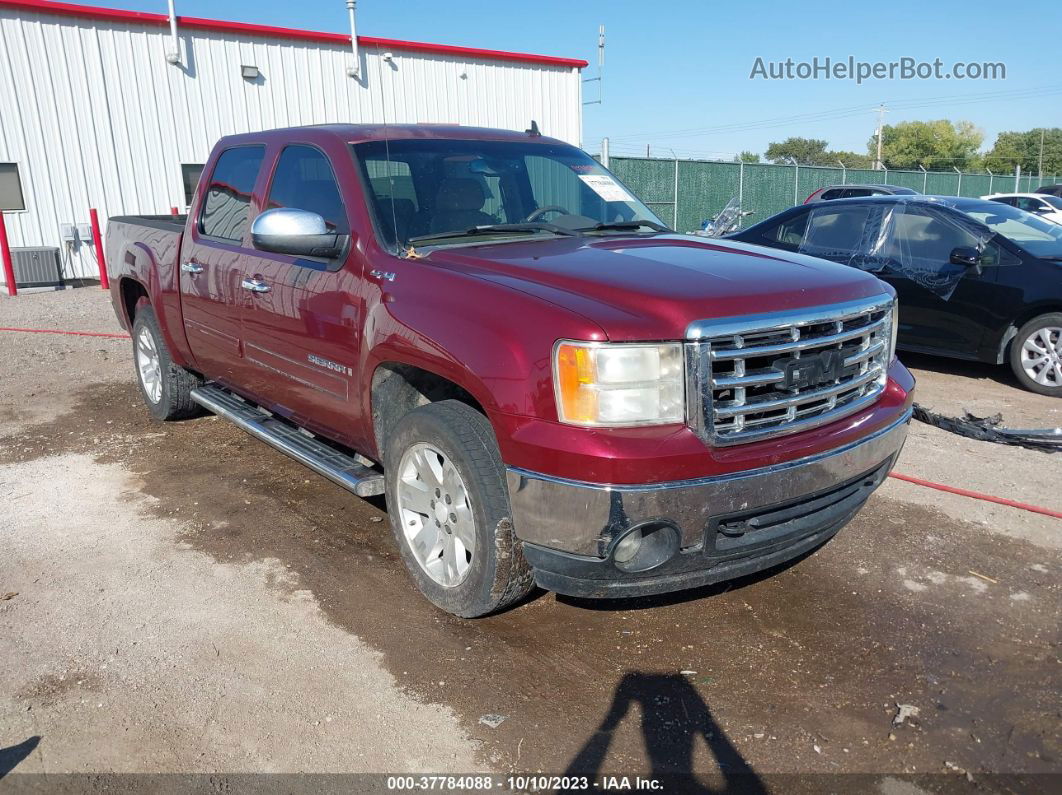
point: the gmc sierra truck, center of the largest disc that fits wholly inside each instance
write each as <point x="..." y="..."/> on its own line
<point x="548" y="384"/>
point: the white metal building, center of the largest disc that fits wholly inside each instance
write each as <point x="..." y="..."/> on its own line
<point x="94" y="113"/>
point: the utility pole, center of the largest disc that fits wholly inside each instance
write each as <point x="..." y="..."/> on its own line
<point x="881" y="119"/>
<point x="600" y="79"/>
<point x="1041" y="153"/>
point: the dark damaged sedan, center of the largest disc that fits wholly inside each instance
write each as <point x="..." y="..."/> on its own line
<point x="975" y="279"/>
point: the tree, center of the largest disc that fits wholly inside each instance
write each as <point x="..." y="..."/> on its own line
<point x="852" y="160"/>
<point x="935" y="145"/>
<point x="813" y="152"/>
<point x="747" y="157"/>
<point x="1023" y="148"/>
<point x="806" y="151"/>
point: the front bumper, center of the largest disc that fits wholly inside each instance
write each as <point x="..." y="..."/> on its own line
<point x="727" y="526"/>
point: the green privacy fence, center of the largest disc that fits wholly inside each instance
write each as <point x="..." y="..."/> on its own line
<point x="685" y="192"/>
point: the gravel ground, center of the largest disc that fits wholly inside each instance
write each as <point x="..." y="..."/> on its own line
<point x="188" y="599"/>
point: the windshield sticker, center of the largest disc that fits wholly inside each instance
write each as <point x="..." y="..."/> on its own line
<point x="606" y="187"/>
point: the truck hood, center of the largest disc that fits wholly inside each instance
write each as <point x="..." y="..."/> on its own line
<point x="652" y="288"/>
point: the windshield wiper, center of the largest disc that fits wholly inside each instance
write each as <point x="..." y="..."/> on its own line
<point x="491" y="229"/>
<point x="624" y="225"/>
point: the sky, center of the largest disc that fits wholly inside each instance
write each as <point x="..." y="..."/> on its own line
<point x="677" y="74"/>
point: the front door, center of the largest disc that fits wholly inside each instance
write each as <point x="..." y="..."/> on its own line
<point x="943" y="306"/>
<point x="302" y="317"/>
<point x="211" y="263"/>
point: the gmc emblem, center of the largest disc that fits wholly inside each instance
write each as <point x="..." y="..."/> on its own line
<point x="810" y="371"/>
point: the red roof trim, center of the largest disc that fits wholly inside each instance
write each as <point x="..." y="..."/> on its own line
<point x="224" y="26"/>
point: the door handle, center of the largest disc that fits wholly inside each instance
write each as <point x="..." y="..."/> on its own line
<point x="192" y="268"/>
<point x="255" y="286"/>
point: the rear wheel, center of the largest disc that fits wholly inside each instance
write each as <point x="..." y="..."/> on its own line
<point x="449" y="510"/>
<point x="166" y="387"/>
<point x="1036" y="355"/>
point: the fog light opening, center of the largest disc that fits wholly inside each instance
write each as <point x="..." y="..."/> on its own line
<point x="645" y="547"/>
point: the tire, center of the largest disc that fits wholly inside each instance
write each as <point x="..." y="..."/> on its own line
<point x="1043" y="333"/>
<point x="170" y="397"/>
<point x="495" y="575"/>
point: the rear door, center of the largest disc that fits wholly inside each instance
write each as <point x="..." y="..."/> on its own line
<point x="302" y="333"/>
<point x="211" y="263"/>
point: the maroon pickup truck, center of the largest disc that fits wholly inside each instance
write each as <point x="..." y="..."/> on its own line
<point x="548" y="384"/>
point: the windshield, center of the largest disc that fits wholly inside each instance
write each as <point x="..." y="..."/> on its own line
<point x="442" y="188"/>
<point x="1039" y="237"/>
<point x="1054" y="201"/>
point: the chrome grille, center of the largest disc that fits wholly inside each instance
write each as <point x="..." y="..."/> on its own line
<point x="768" y="375"/>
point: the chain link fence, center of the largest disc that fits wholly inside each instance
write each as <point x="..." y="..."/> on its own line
<point x="685" y="192"/>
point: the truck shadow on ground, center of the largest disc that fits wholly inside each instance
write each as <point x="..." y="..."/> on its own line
<point x="13" y="755"/>
<point x="674" y="718"/>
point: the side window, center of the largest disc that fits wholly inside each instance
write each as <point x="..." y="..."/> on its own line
<point x="832" y="193"/>
<point x="1027" y="204"/>
<point x="304" y="180"/>
<point x="789" y="233"/>
<point x="834" y="231"/>
<point x="927" y="240"/>
<point x="1005" y="200"/>
<point x="227" y="203"/>
<point x="857" y="193"/>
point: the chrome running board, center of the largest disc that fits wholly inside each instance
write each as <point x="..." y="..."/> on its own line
<point x="337" y="466"/>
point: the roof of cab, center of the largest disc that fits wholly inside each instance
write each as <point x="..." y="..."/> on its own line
<point x="359" y="133"/>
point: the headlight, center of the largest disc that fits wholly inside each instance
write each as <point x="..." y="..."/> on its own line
<point x="894" y="316"/>
<point x="605" y="384"/>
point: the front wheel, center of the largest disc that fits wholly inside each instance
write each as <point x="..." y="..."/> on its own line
<point x="449" y="510"/>
<point x="1036" y="355"/>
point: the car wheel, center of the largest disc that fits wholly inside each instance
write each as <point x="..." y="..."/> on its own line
<point x="1036" y="355"/>
<point x="449" y="510"/>
<point x="166" y="387"/>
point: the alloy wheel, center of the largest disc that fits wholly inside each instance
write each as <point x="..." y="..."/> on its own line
<point x="1041" y="356"/>
<point x="436" y="514"/>
<point x="149" y="365"/>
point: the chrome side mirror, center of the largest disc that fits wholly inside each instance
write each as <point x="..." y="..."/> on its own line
<point x="286" y="230"/>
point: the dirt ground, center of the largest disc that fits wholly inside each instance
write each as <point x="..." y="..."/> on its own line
<point x="181" y="598"/>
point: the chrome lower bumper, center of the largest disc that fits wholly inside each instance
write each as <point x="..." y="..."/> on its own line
<point x="584" y="518"/>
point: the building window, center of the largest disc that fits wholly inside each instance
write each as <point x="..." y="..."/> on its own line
<point x="190" y="177"/>
<point x="11" y="197"/>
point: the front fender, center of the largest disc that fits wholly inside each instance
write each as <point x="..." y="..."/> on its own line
<point x="492" y="341"/>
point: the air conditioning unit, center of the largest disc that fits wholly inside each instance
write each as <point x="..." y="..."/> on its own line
<point x="37" y="267"/>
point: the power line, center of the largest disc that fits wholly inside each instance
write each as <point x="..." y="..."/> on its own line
<point x="854" y="110"/>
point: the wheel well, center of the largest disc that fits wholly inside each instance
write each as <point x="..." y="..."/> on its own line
<point x="132" y="292"/>
<point x="397" y="389"/>
<point x="1017" y="323"/>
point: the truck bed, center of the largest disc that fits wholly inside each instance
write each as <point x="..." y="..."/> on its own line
<point x="142" y="252"/>
<point x="173" y="223"/>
